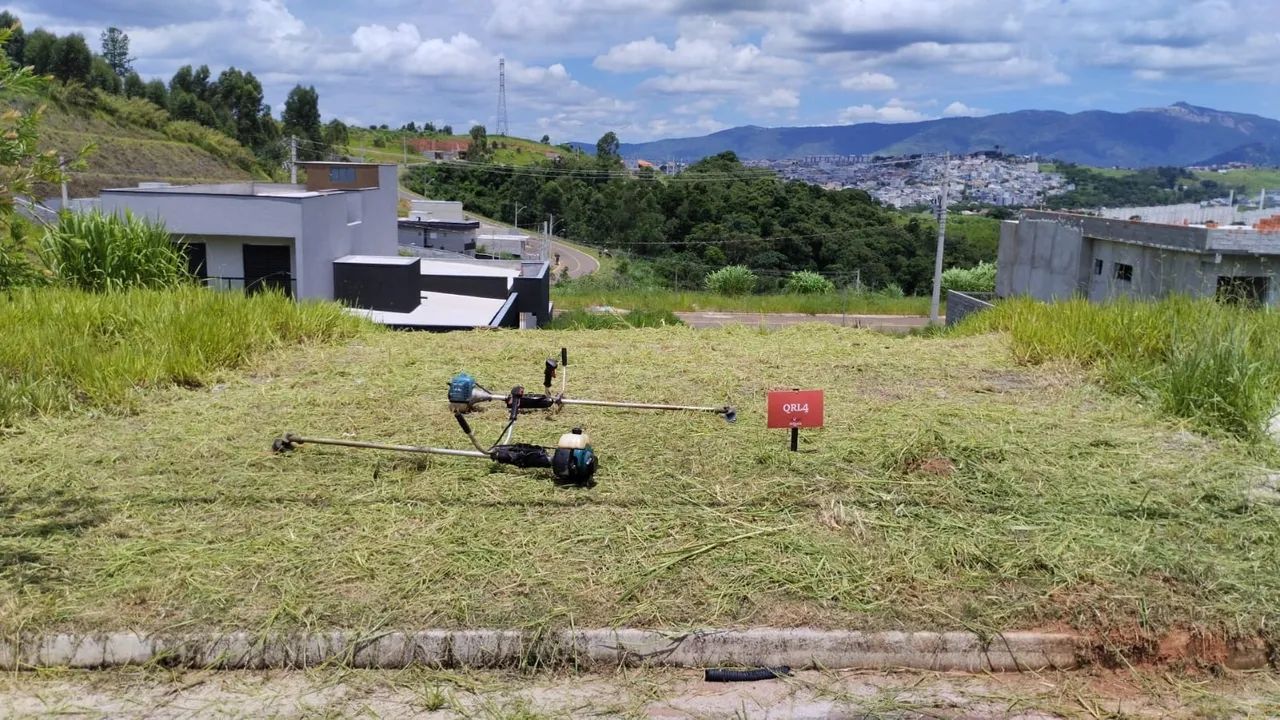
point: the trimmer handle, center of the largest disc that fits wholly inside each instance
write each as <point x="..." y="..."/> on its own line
<point x="564" y="357"/>
<point x="549" y="373"/>
<point x="462" y="423"/>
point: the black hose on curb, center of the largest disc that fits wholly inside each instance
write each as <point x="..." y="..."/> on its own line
<point x="726" y="675"/>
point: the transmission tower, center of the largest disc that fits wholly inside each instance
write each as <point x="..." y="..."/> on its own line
<point x="502" y="128"/>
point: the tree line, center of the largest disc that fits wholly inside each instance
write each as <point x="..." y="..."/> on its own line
<point x="715" y="214"/>
<point x="231" y="103"/>
<point x="1138" y="188"/>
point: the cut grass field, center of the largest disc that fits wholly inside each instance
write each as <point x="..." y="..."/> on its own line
<point x="951" y="488"/>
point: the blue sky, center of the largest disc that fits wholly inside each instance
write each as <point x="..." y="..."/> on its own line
<point x="662" y="68"/>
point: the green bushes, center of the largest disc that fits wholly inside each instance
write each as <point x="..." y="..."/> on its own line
<point x="808" y="283"/>
<point x="1215" y="365"/>
<point x="212" y="142"/>
<point x="980" y="278"/>
<point x="134" y="111"/>
<point x="732" y="280"/>
<point x="97" y="252"/>
<point x="66" y="349"/>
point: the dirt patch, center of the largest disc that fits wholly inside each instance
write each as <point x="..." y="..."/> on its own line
<point x="935" y="465"/>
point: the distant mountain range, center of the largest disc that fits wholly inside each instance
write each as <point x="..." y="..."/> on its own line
<point x="1180" y="134"/>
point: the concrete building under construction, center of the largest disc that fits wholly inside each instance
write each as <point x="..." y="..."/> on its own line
<point x="1055" y="256"/>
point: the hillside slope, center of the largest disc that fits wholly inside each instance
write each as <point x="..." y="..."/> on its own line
<point x="1180" y="134"/>
<point x="127" y="151"/>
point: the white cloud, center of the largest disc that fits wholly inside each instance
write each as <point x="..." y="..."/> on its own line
<point x="869" y="81"/>
<point x="779" y="98"/>
<point x="894" y="111"/>
<point x="959" y="109"/>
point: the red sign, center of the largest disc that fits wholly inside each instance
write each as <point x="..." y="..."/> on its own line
<point x="795" y="408"/>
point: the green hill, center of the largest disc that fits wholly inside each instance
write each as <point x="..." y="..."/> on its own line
<point x="390" y="146"/>
<point x="135" y="141"/>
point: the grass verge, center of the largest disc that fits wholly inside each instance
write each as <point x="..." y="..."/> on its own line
<point x="951" y="488"/>
<point x="571" y="297"/>
<point x="69" y="349"/>
<point x="1216" y="365"/>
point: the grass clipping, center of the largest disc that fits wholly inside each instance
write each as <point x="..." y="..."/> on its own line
<point x="951" y="488"/>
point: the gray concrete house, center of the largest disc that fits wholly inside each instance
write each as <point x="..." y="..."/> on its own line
<point x="335" y="238"/>
<point x="1054" y="256"/>
<point x="252" y="235"/>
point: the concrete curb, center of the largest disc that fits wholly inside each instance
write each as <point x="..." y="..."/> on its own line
<point x="798" y="648"/>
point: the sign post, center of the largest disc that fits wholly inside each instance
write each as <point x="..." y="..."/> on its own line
<point x="795" y="409"/>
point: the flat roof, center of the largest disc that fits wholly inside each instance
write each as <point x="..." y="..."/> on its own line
<point x="246" y="189"/>
<point x="445" y="267"/>
<point x="345" y="162"/>
<point x="441" y="310"/>
<point x="376" y="260"/>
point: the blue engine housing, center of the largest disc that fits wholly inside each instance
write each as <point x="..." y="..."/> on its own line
<point x="461" y="387"/>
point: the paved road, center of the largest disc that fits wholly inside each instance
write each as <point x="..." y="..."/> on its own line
<point x="889" y="323"/>
<point x="577" y="262"/>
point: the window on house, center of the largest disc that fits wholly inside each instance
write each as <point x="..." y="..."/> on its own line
<point x="1249" y="290"/>
<point x="1097" y="266"/>
<point x="342" y="174"/>
<point x="1122" y="272"/>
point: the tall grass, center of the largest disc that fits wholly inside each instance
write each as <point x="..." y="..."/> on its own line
<point x="66" y="349"/>
<point x="1216" y="365"/>
<point x="94" y="251"/>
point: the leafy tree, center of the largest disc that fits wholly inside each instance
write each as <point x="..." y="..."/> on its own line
<point x="239" y="95"/>
<point x="38" y="51"/>
<point x="17" y="38"/>
<point x="115" y="49"/>
<point x="22" y="163"/>
<point x="447" y="130"/>
<point x="608" y="150"/>
<point x="71" y="60"/>
<point x="546" y="139"/>
<point x="479" y="150"/>
<point x="102" y="77"/>
<point x="428" y="127"/>
<point x="301" y="118"/>
<point x="337" y="134"/>
<point x="411" y="127"/>
<point x="135" y="87"/>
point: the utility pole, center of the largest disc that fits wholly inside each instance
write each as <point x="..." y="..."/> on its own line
<point x="62" y="165"/>
<point x="516" y="220"/>
<point x="942" y="239"/>
<point x="293" y="159"/>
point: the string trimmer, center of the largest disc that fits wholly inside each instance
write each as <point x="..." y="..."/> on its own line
<point x="465" y="394"/>
<point x="572" y="461"/>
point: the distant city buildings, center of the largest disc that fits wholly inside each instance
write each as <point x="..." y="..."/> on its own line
<point x="906" y="182"/>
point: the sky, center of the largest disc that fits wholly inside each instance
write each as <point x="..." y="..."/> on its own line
<point x="649" y="69"/>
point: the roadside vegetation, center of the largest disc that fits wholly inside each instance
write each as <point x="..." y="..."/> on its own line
<point x="1215" y="365"/>
<point x="612" y="320"/>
